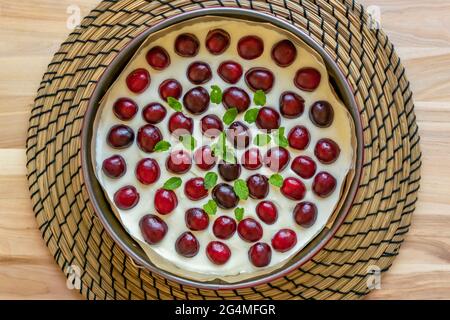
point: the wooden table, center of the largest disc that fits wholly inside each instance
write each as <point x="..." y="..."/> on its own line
<point x="30" y="33"/>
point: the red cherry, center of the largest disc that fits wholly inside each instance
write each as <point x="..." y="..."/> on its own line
<point x="224" y="227"/>
<point x="179" y="161"/>
<point x="299" y="137"/>
<point x="324" y="184"/>
<point x="251" y="159"/>
<point x="305" y="214"/>
<point x="126" y="197"/>
<point x="199" y="72"/>
<point x="165" y="201"/>
<point x="196" y="219"/>
<point x="125" y="109"/>
<point x="153" y="228"/>
<point x="196" y="100"/>
<point x="120" y="136"/>
<point x="259" y="79"/>
<point x="225" y="197"/>
<point x="147" y="171"/>
<point x="187" y="245"/>
<point x="180" y="125"/>
<point x="307" y="79"/>
<point x="239" y="135"/>
<point x="268" y="119"/>
<point x="260" y="254"/>
<point x="235" y="97"/>
<point x="327" y="151"/>
<point x="195" y="189"/>
<point x="250" y="230"/>
<point x="218" y="252"/>
<point x="148" y="136"/>
<point x="158" y="58"/>
<point x="277" y="158"/>
<point x="186" y="45"/>
<point x="258" y="186"/>
<point x="229" y="171"/>
<point x="217" y="41"/>
<point x="204" y="158"/>
<point x="304" y="166"/>
<point x="230" y="71"/>
<point x="154" y="113"/>
<point x="114" y="166"/>
<point x="321" y="114"/>
<point x="250" y="47"/>
<point x="284" y="53"/>
<point x="267" y="212"/>
<point x="211" y="125"/>
<point x="170" y="88"/>
<point x="291" y="105"/>
<point x="293" y="189"/>
<point x="284" y="240"/>
<point x="138" y="80"/>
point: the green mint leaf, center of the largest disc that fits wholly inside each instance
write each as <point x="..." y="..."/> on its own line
<point x="259" y="98"/>
<point x="239" y="213"/>
<point x="161" y="146"/>
<point x="276" y="180"/>
<point x="172" y="184"/>
<point x="280" y="139"/>
<point x="210" y="207"/>
<point x="210" y="180"/>
<point x="174" y="104"/>
<point x="188" y="141"/>
<point x="216" y="94"/>
<point x="241" y="189"/>
<point x="229" y="116"/>
<point x="262" y="139"/>
<point x="250" y="115"/>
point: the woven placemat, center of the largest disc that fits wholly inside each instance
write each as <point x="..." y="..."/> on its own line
<point x="374" y="229"/>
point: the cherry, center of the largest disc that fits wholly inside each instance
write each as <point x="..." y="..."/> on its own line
<point x="153" y="228"/>
<point x="224" y="227"/>
<point x="195" y="189"/>
<point x="179" y="161"/>
<point x="259" y="79"/>
<point x="284" y="240"/>
<point x="138" y="80"/>
<point x="120" y="136"/>
<point x="204" y="158"/>
<point x="321" y="114"/>
<point x="324" y="184"/>
<point x="307" y="79"/>
<point x="284" y="53"/>
<point x="260" y="254"/>
<point x="268" y="119"/>
<point x="277" y="158"/>
<point x="291" y="105"/>
<point x="305" y="214"/>
<point x="250" y="47"/>
<point x="196" y="100"/>
<point x="230" y="71"/>
<point x="239" y="135"/>
<point x="170" y="88"/>
<point x="199" y="72"/>
<point x="304" y="166"/>
<point x="217" y="41"/>
<point x="126" y="197"/>
<point x="180" y="125"/>
<point x="114" y="166"/>
<point x="267" y="212"/>
<point x="234" y="97"/>
<point x="147" y="171"/>
<point x="165" y="201"/>
<point x="327" y="151"/>
<point x="211" y="125"/>
<point x="196" y="219"/>
<point x="251" y="159"/>
<point x="158" y="58"/>
<point x="218" y="252"/>
<point x="293" y="189"/>
<point x="186" y="45"/>
<point x="187" y="245"/>
<point x="125" y="109"/>
<point x="229" y="171"/>
<point x="258" y="186"/>
<point x="250" y="230"/>
<point x="154" y="113"/>
<point x="148" y="136"/>
<point x="225" y="196"/>
<point x="299" y="137"/>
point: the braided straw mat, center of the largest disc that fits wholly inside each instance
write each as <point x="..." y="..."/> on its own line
<point x="374" y="228"/>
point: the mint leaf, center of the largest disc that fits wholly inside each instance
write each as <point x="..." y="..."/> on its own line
<point x="262" y="139"/>
<point x="276" y="180"/>
<point x="229" y="116"/>
<point x="174" y="104"/>
<point x="259" y="98"/>
<point x="241" y="189"/>
<point x="239" y="213"/>
<point x="188" y="141"/>
<point x="172" y="184"/>
<point x="279" y="138"/>
<point x="221" y="150"/>
<point x="210" y="207"/>
<point x="216" y="94"/>
<point x="250" y="115"/>
<point x="210" y="180"/>
<point x="161" y="146"/>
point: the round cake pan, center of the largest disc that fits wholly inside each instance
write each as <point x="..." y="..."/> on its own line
<point x="98" y="198"/>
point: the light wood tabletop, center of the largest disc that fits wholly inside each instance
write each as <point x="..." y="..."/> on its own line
<point x="30" y="33"/>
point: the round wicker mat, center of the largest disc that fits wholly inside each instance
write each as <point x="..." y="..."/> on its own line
<point x="374" y="229"/>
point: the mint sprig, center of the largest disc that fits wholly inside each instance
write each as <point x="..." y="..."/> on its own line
<point x="161" y="146"/>
<point x="174" y="104"/>
<point x="172" y="184"/>
<point x="210" y="207"/>
<point x="262" y="139"/>
<point x="229" y="116"/>
<point x="259" y="98"/>
<point x="239" y="213"/>
<point x="276" y="180"/>
<point x="216" y="94"/>
<point x="251" y="115"/>
<point x="279" y="138"/>
<point x="188" y="141"/>
<point x="241" y="189"/>
<point x="210" y="180"/>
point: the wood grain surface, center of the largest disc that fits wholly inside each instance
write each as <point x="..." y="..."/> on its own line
<point x="30" y="33"/>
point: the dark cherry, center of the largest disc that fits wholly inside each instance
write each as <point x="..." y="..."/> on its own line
<point x="125" y="109"/>
<point x="327" y="151"/>
<point x="284" y="53"/>
<point x="259" y="79"/>
<point x="148" y="136"/>
<point x="211" y="125"/>
<point x="158" y="58"/>
<point x="268" y="119"/>
<point x="250" y="230"/>
<point x="165" y="201"/>
<point x="154" y="113"/>
<point x="258" y="186"/>
<point x="230" y="71"/>
<point x="187" y="45"/>
<point x="217" y="41"/>
<point x="277" y="158"/>
<point x="204" y="158"/>
<point x="229" y="171"/>
<point x="120" y="136"/>
<point x="196" y="219"/>
<point x="251" y="159"/>
<point x="267" y="212"/>
<point x="224" y="227"/>
<point x="195" y="189"/>
<point x="196" y="100"/>
<point x="321" y="114"/>
<point x="307" y="79"/>
<point x="147" y="171"/>
<point x="218" y="252"/>
<point x="138" y="80"/>
<point x="153" y="228"/>
<point x="324" y="184"/>
<point x="239" y="135"/>
<point x="235" y="97"/>
<point x="126" y="197"/>
<point x="291" y="105"/>
<point x="179" y="161"/>
<point x="170" y="88"/>
<point x="187" y="245"/>
<point x="305" y="214"/>
<point x="284" y="240"/>
<point x="260" y="254"/>
<point x="180" y="125"/>
<point x="225" y="196"/>
<point x="293" y="188"/>
<point x="299" y="138"/>
<point x="250" y="47"/>
<point x="304" y="166"/>
<point x="114" y="166"/>
<point x="199" y="72"/>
